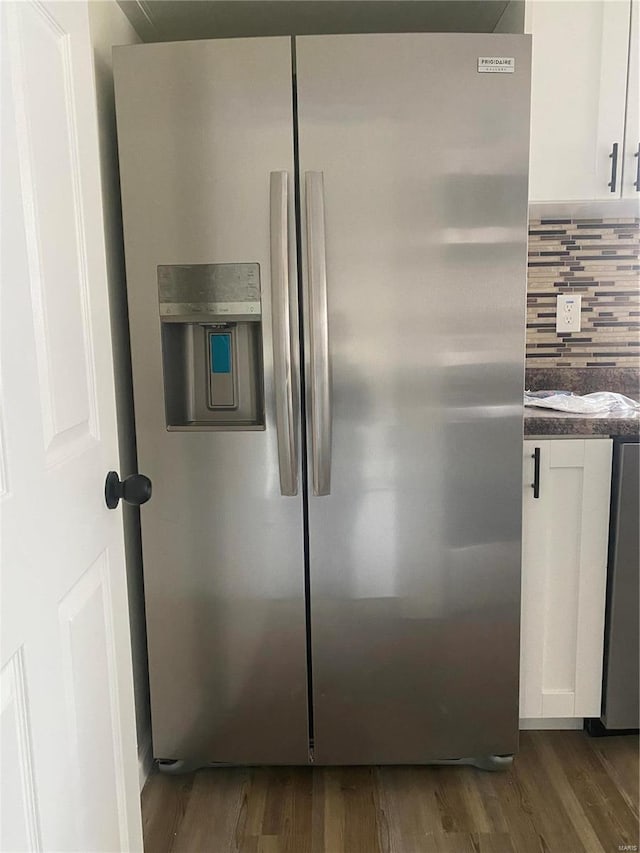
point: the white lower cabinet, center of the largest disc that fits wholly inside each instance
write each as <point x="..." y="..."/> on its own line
<point x="564" y="566"/>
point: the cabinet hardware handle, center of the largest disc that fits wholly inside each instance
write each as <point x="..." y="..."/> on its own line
<point x="636" y="183"/>
<point x="536" y="472"/>
<point x="614" y="167"/>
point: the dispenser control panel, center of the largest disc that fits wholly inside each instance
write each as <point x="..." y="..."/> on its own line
<point x="213" y="289"/>
<point x="211" y="327"/>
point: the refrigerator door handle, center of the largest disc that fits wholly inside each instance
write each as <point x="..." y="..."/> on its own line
<point x="319" y="333"/>
<point x="282" y="360"/>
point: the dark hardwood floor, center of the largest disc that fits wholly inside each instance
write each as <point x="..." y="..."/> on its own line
<point x="566" y="793"/>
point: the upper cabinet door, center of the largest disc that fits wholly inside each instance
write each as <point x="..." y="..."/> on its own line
<point x="631" y="173"/>
<point x="578" y="94"/>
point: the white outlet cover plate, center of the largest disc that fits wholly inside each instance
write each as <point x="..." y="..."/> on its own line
<point x="568" y="309"/>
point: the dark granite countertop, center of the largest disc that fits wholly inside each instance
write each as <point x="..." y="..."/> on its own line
<point x="622" y="380"/>
<point x="539" y="421"/>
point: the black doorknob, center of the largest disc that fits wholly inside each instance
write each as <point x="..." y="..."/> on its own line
<point x="135" y="489"/>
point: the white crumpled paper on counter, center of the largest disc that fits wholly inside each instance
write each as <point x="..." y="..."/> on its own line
<point x="601" y="402"/>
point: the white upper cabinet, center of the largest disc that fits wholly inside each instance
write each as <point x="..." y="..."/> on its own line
<point x="578" y="98"/>
<point x="631" y="168"/>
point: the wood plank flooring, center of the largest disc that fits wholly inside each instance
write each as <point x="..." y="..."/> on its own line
<point x="566" y="793"/>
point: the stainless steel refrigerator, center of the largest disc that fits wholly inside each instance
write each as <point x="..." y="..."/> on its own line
<point x="325" y="247"/>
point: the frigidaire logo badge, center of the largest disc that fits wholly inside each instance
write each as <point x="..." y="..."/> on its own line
<point x="496" y="64"/>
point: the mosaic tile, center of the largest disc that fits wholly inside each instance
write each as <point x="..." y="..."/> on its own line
<point x="598" y="259"/>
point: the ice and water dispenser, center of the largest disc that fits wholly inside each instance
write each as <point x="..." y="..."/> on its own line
<point x="211" y="318"/>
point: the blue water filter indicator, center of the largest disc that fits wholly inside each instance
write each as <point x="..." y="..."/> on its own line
<point x="221" y="353"/>
<point x="222" y="380"/>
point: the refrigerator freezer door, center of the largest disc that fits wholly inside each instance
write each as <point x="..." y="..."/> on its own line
<point x="202" y="127"/>
<point x="415" y="551"/>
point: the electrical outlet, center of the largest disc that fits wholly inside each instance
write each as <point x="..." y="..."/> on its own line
<point x="568" y="312"/>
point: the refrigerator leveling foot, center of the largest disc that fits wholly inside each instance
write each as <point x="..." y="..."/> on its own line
<point x="174" y="768"/>
<point x="492" y="763"/>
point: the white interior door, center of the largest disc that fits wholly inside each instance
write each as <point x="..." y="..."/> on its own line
<point x="69" y="771"/>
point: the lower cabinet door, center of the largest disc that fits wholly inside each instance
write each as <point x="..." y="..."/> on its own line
<point x="564" y="566"/>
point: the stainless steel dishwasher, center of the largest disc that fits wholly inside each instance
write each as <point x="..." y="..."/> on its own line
<point x="620" y="705"/>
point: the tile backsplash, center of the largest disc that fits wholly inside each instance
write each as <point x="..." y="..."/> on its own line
<point x="597" y="258"/>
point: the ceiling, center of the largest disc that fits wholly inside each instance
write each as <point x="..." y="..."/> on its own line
<point x="174" y="20"/>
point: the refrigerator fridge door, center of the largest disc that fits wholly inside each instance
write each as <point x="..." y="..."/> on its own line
<point x="206" y="156"/>
<point x="413" y="169"/>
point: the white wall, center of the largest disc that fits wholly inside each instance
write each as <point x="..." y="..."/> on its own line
<point x="109" y="26"/>
<point x="176" y="20"/>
